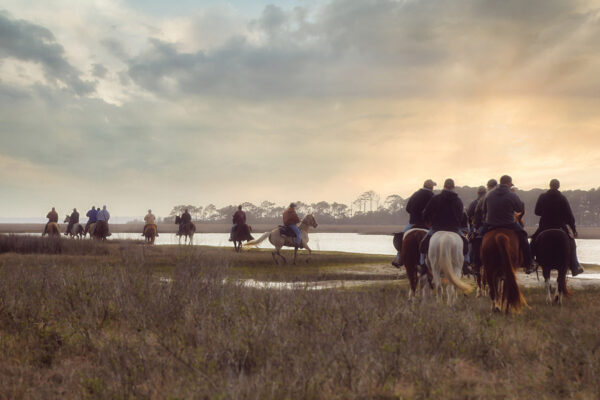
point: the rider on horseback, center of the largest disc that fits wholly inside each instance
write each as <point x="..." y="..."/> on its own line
<point x="415" y="206"/>
<point x="445" y="211"/>
<point x="73" y="219"/>
<point x="186" y="218"/>
<point x="555" y="213"/>
<point x="92" y="218"/>
<point x="239" y="219"/>
<point x="102" y="216"/>
<point x="149" y="219"/>
<point x="499" y="208"/>
<point x="52" y="217"/>
<point x="290" y="219"/>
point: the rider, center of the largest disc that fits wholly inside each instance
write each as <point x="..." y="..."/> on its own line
<point x="185" y="219"/>
<point x="478" y="220"/>
<point x="239" y="218"/>
<point x="52" y="217"/>
<point x="555" y="213"/>
<point x="103" y="215"/>
<point x="73" y="219"/>
<point x="92" y="217"/>
<point x="150" y="219"/>
<point x="499" y="208"/>
<point x="290" y="219"/>
<point x="475" y="218"/>
<point x="415" y="206"/>
<point x="445" y="211"/>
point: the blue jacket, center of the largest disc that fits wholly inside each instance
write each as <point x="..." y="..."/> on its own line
<point x="92" y="215"/>
<point x="103" y="215"/>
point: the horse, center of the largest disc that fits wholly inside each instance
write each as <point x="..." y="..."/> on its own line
<point x="278" y="240"/>
<point x="241" y="233"/>
<point x="553" y="251"/>
<point x="150" y="232"/>
<point x="409" y="253"/>
<point x="188" y="229"/>
<point x="89" y="229"/>
<point x="446" y="255"/>
<point x="101" y="231"/>
<point x="76" y="229"/>
<point x="52" y="229"/>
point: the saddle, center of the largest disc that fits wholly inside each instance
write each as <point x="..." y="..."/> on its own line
<point x="289" y="234"/>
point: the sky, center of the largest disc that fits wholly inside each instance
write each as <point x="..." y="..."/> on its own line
<point x="148" y="104"/>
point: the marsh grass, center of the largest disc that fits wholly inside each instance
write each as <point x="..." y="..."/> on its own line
<point x="106" y="327"/>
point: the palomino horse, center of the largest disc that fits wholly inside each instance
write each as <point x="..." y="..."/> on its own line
<point x="241" y="233"/>
<point x="409" y="253"/>
<point x="187" y="230"/>
<point x="150" y="232"/>
<point x="101" y="231"/>
<point x="553" y="251"/>
<point x="52" y="230"/>
<point x="279" y="241"/>
<point x="446" y="255"/>
<point x="76" y="229"/>
<point x="89" y="229"/>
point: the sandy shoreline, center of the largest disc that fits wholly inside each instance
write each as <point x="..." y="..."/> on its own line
<point x="584" y="232"/>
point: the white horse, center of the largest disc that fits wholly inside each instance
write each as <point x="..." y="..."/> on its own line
<point x="76" y="229"/>
<point x="279" y="241"/>
<point x="446" y="255"/>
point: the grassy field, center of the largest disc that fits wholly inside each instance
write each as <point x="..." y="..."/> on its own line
<point x="89" y="320"/>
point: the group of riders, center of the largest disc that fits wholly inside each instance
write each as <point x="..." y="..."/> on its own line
<point x="495" y="207"/>
<point x="94" y="215"/>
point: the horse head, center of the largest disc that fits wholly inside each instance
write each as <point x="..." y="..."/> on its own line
<point x="310" y="221"/>
<point x="67" y="218"/>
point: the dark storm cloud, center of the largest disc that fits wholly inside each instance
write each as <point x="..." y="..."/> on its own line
<point x="99" y="70"/>
<point x="34" y="43"/>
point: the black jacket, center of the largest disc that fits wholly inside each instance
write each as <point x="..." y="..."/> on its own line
<point x="475" y="214"/>
<point x="444" y="211"/>
<point x="554" y="211"/>
<point x="501" y="205"/>
<point x="74" y="219"/>
<point x="416" y="204"/>
<point x="185" y="218"/>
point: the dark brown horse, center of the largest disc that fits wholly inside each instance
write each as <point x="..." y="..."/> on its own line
<point x="410" y="254"/>
<point x="101" y="232"/>
<point x="188" y="229"/>
<point x="553" y="251"/>
<point x="500" y="255"/>
<point x="150" y="233"/>
<point x="240" y="233"/>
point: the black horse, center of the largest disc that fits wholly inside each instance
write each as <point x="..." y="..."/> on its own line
<point x="553" y="249"/>
<point x="240" y="233"/>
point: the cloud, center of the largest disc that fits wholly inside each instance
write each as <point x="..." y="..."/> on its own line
<point x="29" y="42"/>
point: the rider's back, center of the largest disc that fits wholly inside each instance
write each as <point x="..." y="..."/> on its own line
<point x="500" y="206"/>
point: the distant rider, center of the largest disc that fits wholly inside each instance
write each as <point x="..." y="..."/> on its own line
<point x="52" y="217"/>
<point x="415" y="206"/>
<point x="73" y="219"/>
<point x="239" y="219"/>
<point x="499" y="208"/>
<point x="186" y="218"/>
<point x="92" y="218"/>
<point x="555" y="213"/>
<point x="103" y="215"/>
<point x="445" y="212"/>
<point x="290" y="219"/>
<point x="150" y="219"/>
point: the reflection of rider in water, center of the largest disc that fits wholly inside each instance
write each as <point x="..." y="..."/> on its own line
<point x="290" y="219"/>
<point x="149" y="219"/>
<point x="185" y="219"/>
<point x="52" y="217"/>
<point x="239" y="218"/>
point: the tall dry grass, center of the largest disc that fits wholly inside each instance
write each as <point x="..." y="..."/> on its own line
<point x="104" y="330"/>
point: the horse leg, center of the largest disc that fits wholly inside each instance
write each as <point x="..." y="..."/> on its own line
<point x="274" y="259"/>
<point x="295" y="254"/>
<point x="309" y="253"/>
<point x="548" y="289"/>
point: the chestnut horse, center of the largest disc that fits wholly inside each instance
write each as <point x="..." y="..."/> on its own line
<point x="279" y="241"/>
<point x="101" y="231"/>
<point x="90" y="229"/>
<point x="241" y="233"/>
<point x="553" y="251"/>
<point x="150" y="233"/>
<point x="187" y="230"/>
<point x="409" y="253"/>
<point x="446" y="255"/>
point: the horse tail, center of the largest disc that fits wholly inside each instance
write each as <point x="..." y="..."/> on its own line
<point x="445" y="262"/>
<point x="257" y="241"/>
<point x="511" y="293"/>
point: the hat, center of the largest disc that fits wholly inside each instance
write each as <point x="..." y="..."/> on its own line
<point x="429" y="182"/>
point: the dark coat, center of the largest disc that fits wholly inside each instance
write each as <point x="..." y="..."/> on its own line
<point x="445" y="211"/>
<point x="416" y="204"/>
<point x="554" y="211"/>
<point x="52" y="216"/>
<point x="239" y="217"/>
<point x="500" y="206"/>
<point x="74" y="219"/>
<point x="475" y="213"/>
<point x="186" y="217"/>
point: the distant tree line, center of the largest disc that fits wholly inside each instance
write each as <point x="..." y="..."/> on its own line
<point x="370" y="209"/>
